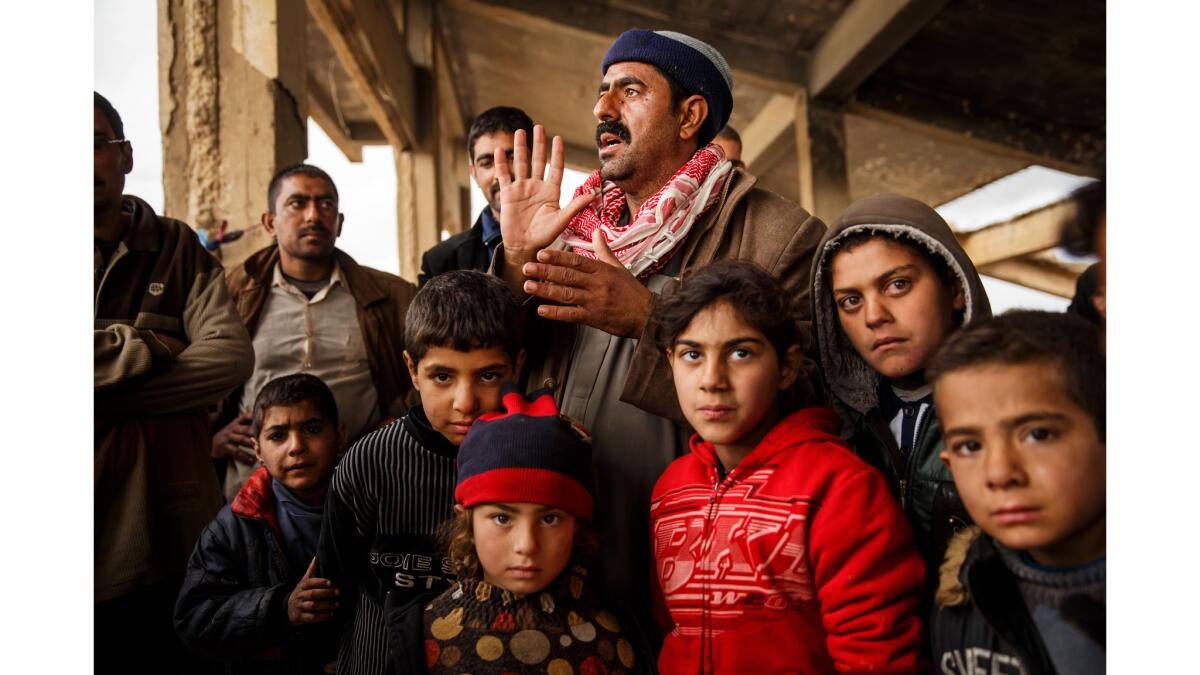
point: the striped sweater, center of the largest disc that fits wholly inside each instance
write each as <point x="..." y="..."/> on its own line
<point x="388" y="495"/>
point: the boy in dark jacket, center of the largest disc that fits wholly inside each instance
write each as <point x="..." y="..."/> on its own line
<point x="250" y="588"/>
<point x="1023" y="397"/>
<point x="890" y="282"/>
<point x="395" y="486"/>
<point x="776" y="550"/>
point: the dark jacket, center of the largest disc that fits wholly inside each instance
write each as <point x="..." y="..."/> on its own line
<point x="980" y="611"/>
<point x="154" y="486"/>
<point x="922" y="482"/>
<point x="382" y="301"/>
<point x="463" y="251"/>
<point x="232" y="606"/>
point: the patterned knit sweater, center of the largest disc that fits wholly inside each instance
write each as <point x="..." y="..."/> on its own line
<point x="476" y="627"/>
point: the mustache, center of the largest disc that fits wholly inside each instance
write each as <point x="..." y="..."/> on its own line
<point x="612" y="127"/>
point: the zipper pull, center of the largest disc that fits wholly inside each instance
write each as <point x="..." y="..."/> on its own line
<point x="903" y="493"/>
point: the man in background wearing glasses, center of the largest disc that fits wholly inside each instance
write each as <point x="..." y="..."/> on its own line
<point x="167" y="344"/>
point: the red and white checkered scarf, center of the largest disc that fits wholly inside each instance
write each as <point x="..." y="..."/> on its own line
<point x="663" y="221"/>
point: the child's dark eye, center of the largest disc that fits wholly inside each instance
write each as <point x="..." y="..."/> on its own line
<point x="739" y="354"/>
<point x="689" y="355"/>
<point x="1040" y="434"/>
<point x="276" y="436"/>
<point x="848" y="302"/>
<point x="899" y="285"/>
<point x="966" y="447"/>
<point x="551" y="519"/>
<point x="499" y="518"/>
<point x="440" y="378"/>
<point x="491" y="377"/>
<point x="314" y="429"/>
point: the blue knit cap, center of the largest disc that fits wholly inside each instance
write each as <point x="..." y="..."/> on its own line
<point x="695" y="64"/>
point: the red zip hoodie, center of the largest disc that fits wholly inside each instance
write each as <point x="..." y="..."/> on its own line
<point x="799" y="560"/>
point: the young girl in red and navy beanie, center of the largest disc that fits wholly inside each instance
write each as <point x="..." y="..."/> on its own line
<point x="524" y="601"/>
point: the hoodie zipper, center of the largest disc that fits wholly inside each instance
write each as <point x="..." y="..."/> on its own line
<point x="912" y="456"/>
<point x="706" y="550"/>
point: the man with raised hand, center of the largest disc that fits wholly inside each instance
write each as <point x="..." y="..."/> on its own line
<point x="665" y="201"/>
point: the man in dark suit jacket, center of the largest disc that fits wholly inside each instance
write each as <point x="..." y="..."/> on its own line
<point x="472" y="249"/>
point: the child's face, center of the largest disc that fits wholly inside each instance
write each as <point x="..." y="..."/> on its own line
<point x="522" y="547"/>
<point x="892" y="305"/>
<point x="727" y="376"/>
<point x="1026" y="459"/>
<point x="299" y="447"/>
<point x="457" y="387"/>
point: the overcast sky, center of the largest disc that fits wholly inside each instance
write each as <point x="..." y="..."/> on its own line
<point x="126" y="37"/>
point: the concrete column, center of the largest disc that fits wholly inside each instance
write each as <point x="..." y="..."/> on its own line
<point x="232" y="109"/>
<point x="821" y="152"/>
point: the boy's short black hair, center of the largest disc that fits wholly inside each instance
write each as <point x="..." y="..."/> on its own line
<point x="1078" y="233"/>
<point x="288" y="171"/>
<point x="110" y="114"/>
<point x="501" y="118"/>
<point x="463" y="310"/>
<point x="293" y="390"/>
<point x="758" y="298"/>
<point x="1067" y="341"/>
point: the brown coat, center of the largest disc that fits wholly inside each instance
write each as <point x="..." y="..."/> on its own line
<point x="154" y="486"/>
<point x="747" y="223"/>
<point x="382" y="301"/>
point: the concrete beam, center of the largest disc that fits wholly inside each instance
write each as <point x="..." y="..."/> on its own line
<point x="1040" y="275"/>
<point x="375" y="55"/>
<point x="866" y="34"/>
<point x="323" y="112"/>
<point x="416" y="208"/>
<point x="1044" y="151"/>
<point x="1028" y="233"/>
<point x="768" y="137"/>
<point x="601" y="23"/>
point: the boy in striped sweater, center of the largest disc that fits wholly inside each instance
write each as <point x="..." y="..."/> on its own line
<point x="396" y="485"/>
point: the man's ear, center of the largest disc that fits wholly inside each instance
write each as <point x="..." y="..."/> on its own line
<point x="944" y="455"/>
<point x="789" y="367"/>
<point x="518" y="365"/>
<point x="257" y="448"/>
<point x="412" y="368"/>
<point x="692" y="112"/>
<point x="341" y="436"/>
<point x="126" y="157"/>
<point x="268" y="222"/>
<point x="341" y="221"/>
<point x="960" y="299"/>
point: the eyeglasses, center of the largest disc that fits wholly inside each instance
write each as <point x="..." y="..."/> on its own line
<point x="102" y="142"/>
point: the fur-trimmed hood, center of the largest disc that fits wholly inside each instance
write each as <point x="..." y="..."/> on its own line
<point x="951" y="591"/>
<point x="849" y="377"/>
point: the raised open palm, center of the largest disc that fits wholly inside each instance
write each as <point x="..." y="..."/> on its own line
<point x="530" y="217"/>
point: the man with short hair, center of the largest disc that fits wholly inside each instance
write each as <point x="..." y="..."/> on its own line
<point x="731" y="142"/>
<point x="662" y="204"/>
<point x="472" y="250"/>
<point x="167" y="344"/>
<point x="311" y="308"/>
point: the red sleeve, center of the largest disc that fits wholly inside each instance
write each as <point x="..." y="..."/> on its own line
<point x="869" y="578"/>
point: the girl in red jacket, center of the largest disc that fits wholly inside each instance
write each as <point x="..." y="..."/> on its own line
<point x="776" y="549"/>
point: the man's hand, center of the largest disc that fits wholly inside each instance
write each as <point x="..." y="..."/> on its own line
<point x="530" y="217"/>
<point x="233" y="440"/>
<point x="175" y="345"/>
<point x="312" y="600"/>
<point x="599" y="293"/>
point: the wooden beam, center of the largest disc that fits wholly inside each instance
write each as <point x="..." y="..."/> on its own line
<point x="601" y="23"/>
<point x="375" y="55"/>
<point x="768" y="137"/>
<point x="1038" y="274"/>
<point x="580" y="158"/>
<point x="321" y="109"/>
<point x="1028" y="233"/>
<point x="866" y="34"/>
<point x="968" y="139"/>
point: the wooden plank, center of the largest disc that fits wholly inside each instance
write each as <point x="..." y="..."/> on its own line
<point x="321" y="109"/>
<point x="767" y="138"/>
<point x="1038" y="274"/>
<point x="820" y="134"/>
<point x="966" y="139"/>
<point x="375" y="55"/>
<point x="1028" y="233"/>
<point x="866" y="34"/>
